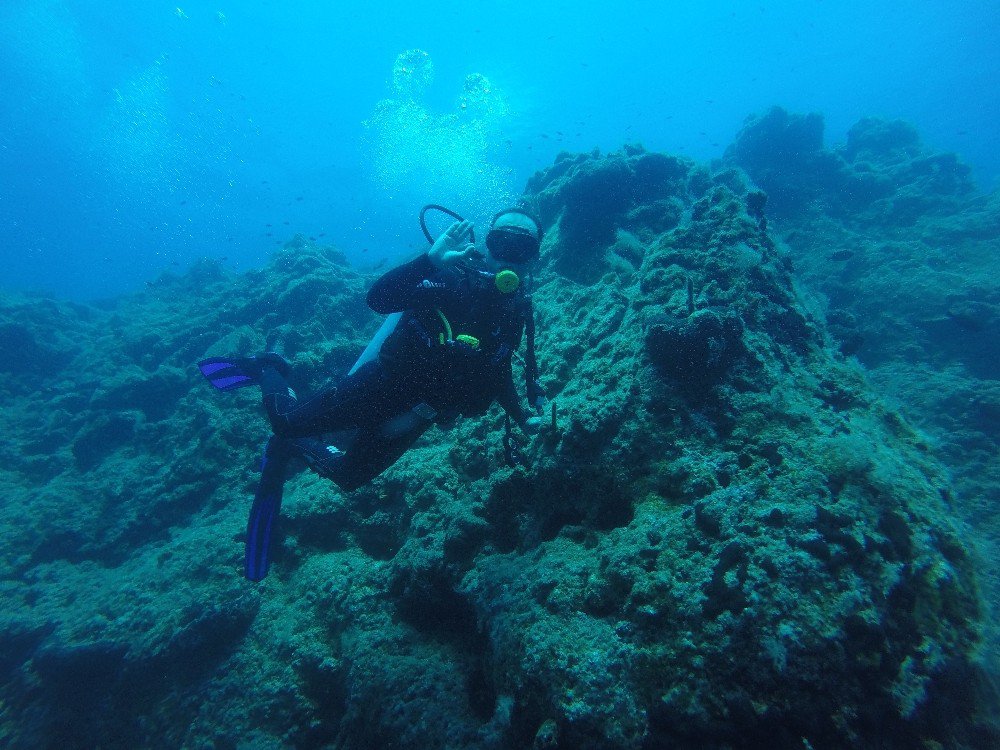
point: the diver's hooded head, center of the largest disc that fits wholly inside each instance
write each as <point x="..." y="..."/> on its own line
<point x="514" y="239"/>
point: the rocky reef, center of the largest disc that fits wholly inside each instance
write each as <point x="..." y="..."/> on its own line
<point x="906" y="271"/>
<point x="725" y="537"/>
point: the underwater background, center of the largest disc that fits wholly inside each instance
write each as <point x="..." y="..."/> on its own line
<point x="140" y="137"/>
<point x="763" y="511"/>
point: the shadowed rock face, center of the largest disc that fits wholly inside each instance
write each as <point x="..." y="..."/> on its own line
<point x="724" y="538"/>
<point x="697" y="351"/>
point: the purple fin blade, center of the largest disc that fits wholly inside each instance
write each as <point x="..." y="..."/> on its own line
<point x="233" y="381"/>
<point x="225" y="374"/>
<point x="209" y="367"/>
<point x="264" y="513"/>
<point x="262" y="517"/>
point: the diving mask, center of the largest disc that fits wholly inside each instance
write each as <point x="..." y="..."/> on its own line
<point x="513" y="244"/>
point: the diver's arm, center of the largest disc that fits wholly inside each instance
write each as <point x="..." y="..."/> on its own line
<point x="412" y="286"/>
<point x="418" y="284"/>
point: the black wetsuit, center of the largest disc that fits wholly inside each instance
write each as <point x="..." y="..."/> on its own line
<point x="427" y="371"/>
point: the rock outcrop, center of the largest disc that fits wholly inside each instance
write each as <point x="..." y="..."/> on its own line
<point x="725" y="538"/>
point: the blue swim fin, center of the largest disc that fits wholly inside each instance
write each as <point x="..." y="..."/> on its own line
<point x="265" y="509"/>
<point x="229" y="373"/>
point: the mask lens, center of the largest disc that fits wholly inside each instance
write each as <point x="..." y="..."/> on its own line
<point x="512" y="246"/>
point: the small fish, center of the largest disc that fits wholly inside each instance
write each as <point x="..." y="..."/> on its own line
<point x="313" y="239"/>
<point x="285" y="223"/>
<point x="322" y="234"/>
<point x="841" y="255"/>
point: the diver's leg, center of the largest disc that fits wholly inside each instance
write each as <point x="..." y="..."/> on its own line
<point x="360" y="398"/>
<point x="384" y="412"/>
<point x="370" y="454"/>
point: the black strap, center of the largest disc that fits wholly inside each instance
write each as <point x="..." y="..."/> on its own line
<point x="532" y="387"/>
<point x="511" y="450"/>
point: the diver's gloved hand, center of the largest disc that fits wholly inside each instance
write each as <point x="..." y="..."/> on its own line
<point x="453" y="247"/>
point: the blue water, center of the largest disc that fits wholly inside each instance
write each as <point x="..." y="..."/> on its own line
<point x="138" y="137"/>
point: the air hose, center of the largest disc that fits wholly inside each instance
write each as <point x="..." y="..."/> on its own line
<point x="442" y="209"/>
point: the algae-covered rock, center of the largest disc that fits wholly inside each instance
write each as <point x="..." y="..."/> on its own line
<point x="723" y="537"/>
<point x="908" y="275"/>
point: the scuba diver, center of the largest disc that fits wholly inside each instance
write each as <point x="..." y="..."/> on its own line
<point x="445" y="350"/>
